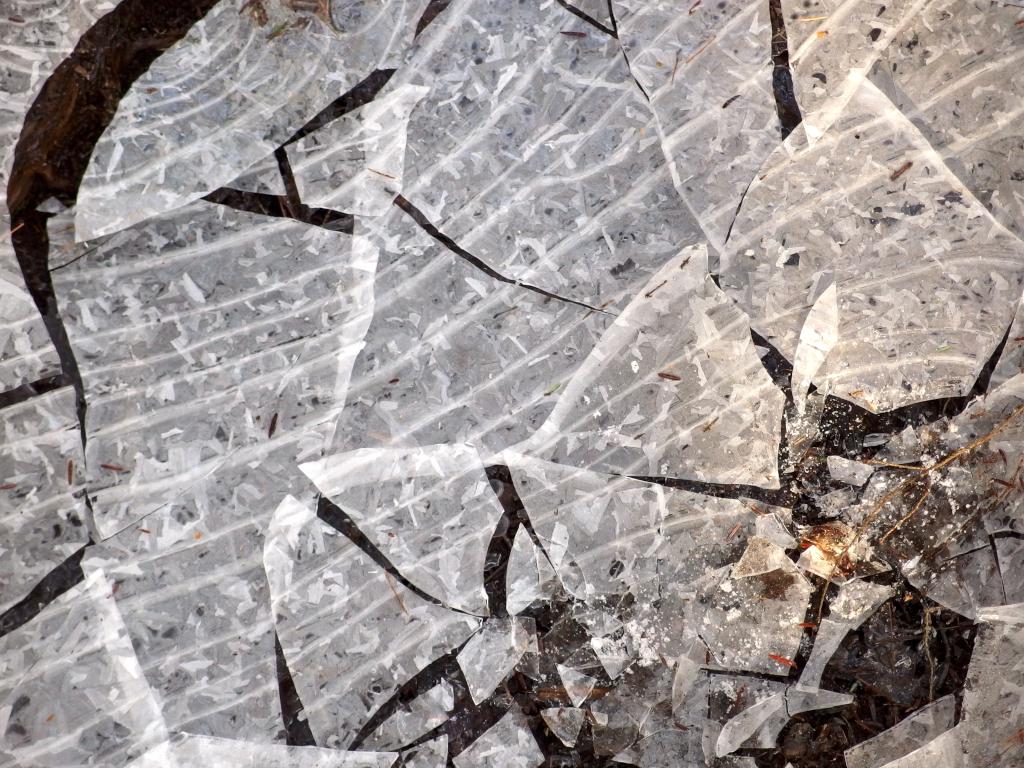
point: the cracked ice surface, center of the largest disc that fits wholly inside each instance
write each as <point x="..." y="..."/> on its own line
<point x="223" y="98"/>
<point x="347" y="626"/>
<point x="926" y="279"/>
<point x="539" y="374"/>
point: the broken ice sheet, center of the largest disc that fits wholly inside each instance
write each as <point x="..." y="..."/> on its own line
<point x="211" y="342"/>
<point x="926" y="279"/>
<point x="833" y="45"/>
<point x="564" y="722"/>
<point x="355" y="163"/>
<point x="413" y="718"/>
<point x="763" y="722"/>
<point x="942" y="523"/>
<point x="42" y="520"/>
<point x="197" y="608"/>
<point x="855" y="602"/>
<point x="755" y="611"/>
<point x="708" y="72"/>
<point x="454" y="356"/>
<point x="491" y="654"/>
<point x="953" y="71"/>
<point x="915" y="731"/>
<point x="351" y="632"/>
<point x="589" y="522"/>
<point x="1011" y="361"/>
<point x="431" y="511"/>
<point x="224" y="97"/>
<point x="508" y="744"/>
<point x="71" y="689"/>
<point x="674" y="388"/>
<point x="190" y="751"/>
<point x="536" y="152"/>
<point x="993" y="708"/>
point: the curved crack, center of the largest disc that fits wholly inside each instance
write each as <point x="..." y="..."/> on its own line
<point x="427" y="226"/>
<point x="61" y="128"/>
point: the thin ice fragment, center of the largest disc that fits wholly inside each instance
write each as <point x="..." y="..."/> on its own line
<point x="530" y="576"/>
<point x="351" y="633"/>
<point x="754" y="612"/>
<point x="215" y="348"/>
<point x="944" y="751"/>
<point x="588" y="522"/>
<point x="71" y="689"/>
<point x="355" y="164"/>
<point x="509" y="744"/>
<point x="674" y="388"/>
<point x="577" y="684"/>
<point x="197" y="605"/>
<point x="819" y="335"/>
<point x="1011" y="361"/>
<point x="564" y="722"/>
<point x="993" y="708"/>
<point x="453" y="355"/>
<point x="432" y="754"/>
<point x="264" y="177"/>
<point x="425" y="712"/>
<point x="915" y="731"/>
<point x="535" y="151"/>
<point x="431" y="511"/>
<point x="847" y="471"/>
<point x="856" y="601"/>
<point x="833" y="45"/>
<point x="490" y="655"/>
<point x="926" y="279"/>
<point x="223" y="98"/>
<point x="762" y="723"/>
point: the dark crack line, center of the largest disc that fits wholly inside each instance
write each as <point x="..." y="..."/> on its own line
<point x="443" y="668"/>
<point x="625" y="56"/>
<point x="786" y="105"/>
<point x="296" y="727"/>
<point x="60" y="131"/>
<point x="280" y="207"/>
<point x="291" y="187"/>
<point x="736" y="214"/>
<point x="54" y="584"/>
<point x="360" y="94"/>
<point x="425" y="224"/>
<point x="434" y="9"/>
<point x="499" y="550"/>
<point x="32" y="389"/>
<point x="587" y="18"/>
<point x="779" y="498"/>
<point x="342" y="522"/>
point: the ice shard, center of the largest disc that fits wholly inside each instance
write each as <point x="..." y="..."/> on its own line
<point x="43" y="518"/>
<point x="351" y="632"/>
<point x="430" y="510"/>
<point x="509" y="744"/>
<point x="239" y="84"/>
<point x="71" y="689"/>
<point x="494" y="652"/>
